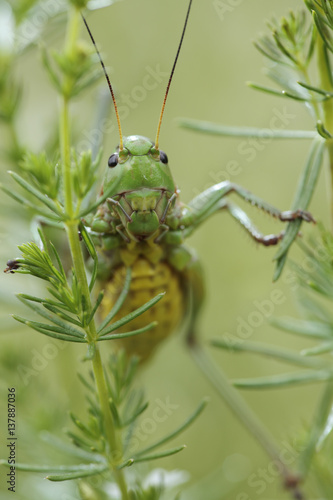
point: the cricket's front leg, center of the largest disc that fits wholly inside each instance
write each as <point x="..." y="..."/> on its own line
<point x="213" y="199"/>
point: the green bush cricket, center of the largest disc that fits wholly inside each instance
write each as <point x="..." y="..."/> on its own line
<point x="142" y="227"/>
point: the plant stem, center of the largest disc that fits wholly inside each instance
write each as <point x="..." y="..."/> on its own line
<point x="313" y="101"/>
<point x="326" y="83"/>
<point x="115" y="452"/>
<point x="65" y="155"/>
<point x="115" y="445"/>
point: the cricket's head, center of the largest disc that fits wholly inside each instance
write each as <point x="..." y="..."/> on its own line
<point x="137" y="166"/>
<point x="143" y="186"/>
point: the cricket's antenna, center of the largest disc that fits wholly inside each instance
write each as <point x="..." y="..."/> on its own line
<point x="121" y="146"/>
<point x="171" y="75"/>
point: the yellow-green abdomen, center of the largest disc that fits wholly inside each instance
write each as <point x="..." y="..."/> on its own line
<point x="147" y="281"/>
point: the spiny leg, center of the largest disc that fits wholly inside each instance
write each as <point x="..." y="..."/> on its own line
<point x="240" y="216"/>
<point x="207" y="203"/>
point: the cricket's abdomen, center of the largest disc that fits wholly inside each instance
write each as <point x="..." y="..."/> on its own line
<point x="148" y="280"/>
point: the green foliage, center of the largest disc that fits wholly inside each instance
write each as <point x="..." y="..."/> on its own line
<point x="41" y="181"/>
<point x="91" y="440"/>
<point x="71" y="72"/>
<point x="69" y="307"/>
<point x="322" y="12"/>
<point x="43" y="173"/>
<point x="127" y="404"/>
<point x="84" y="173"/>
<point x="291" y="46"/>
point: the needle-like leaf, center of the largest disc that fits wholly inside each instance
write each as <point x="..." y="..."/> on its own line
<point x="119" y="302"/>
<point x="156" y="456"/>
<point x="271" y="351"/>
<point x="92" y="252"/>
<point x="175" y="433"/>
<point x="37" y="194"/>
<point x="306" y="328"/>
<point x="301" y="201"/>
<point x="50" y="331"/>
<point x="129" y="317"/>
<point x="53" y="318"/>
<point x="284" y="380"/>
<point x="118" y="336"/>
<point x="82" y="470"/>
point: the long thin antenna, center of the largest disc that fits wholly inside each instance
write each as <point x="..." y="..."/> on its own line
<point x="121" y="146"/>
<point x="171" y="75"/>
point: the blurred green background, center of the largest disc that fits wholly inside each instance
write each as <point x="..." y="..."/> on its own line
<point x="209" y="84"/>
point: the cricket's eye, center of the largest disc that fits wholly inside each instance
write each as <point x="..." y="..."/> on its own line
<point x="163" y="157"/>
<point x="113" y="160"/>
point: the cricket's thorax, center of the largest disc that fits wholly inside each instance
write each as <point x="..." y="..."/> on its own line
<point x="148" y="279"/>
<point x="142" y="211"/>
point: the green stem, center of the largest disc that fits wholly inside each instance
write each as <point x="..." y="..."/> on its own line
<point x="66" y="158"/>
<point x="73" y="29"/>
<point x="115" y="452"/>
<point x="303" y="67"/>
<point x="112" y="437"/>
<point x="313" y="101"/>
<point x="326" y="84"/>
